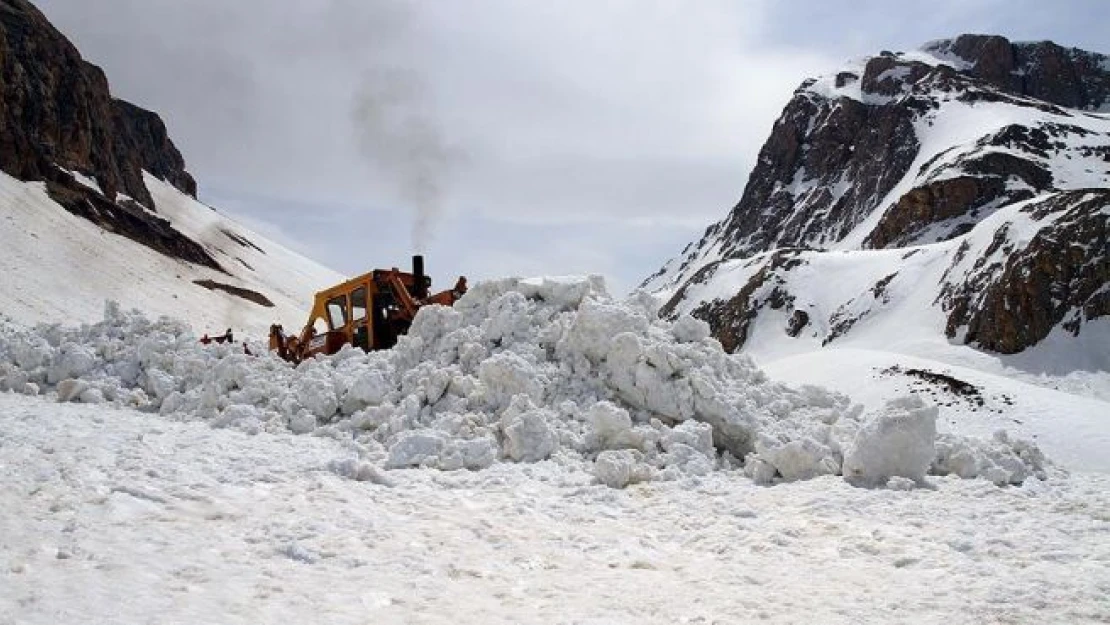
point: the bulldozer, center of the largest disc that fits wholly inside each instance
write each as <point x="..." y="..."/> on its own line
<point x="369" y="312"/>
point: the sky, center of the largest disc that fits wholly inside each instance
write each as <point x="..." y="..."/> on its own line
<point x="498" y="137"/>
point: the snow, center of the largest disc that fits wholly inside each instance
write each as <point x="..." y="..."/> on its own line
<point x="58" y="267"/>
<point x="114" y="516"/>
<point x="1056" y="393"/>
<point x="1069" y="423"/>
<point x="898" y="442"/>
<point x="519" y="371"/>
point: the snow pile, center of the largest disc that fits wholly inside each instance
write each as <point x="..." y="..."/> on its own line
<point x="519" y="370"/>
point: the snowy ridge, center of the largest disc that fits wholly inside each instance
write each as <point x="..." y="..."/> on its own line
<point x="59" y="267"/>
<point x="521" y="371"/>
<point x="953" y="137"/>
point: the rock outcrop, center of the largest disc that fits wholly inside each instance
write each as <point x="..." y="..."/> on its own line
<point x="56" y="111"/>
<point x="58" y="118"/>
<point x="1018" y="294"/>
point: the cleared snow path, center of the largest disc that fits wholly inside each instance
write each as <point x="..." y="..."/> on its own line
<point x="113" y="516"/>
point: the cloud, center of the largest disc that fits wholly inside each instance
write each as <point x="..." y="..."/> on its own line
<point x="595" y="134"/>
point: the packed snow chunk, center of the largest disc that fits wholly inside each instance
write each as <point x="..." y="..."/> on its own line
<point x="619" y="468"/>
<point x="900" y="483"/>
<point x="371" y="388"/>
<point x="529" y="436"/>
<point x="507" y="375"/>
<point x="302" y="422"/>
<point x="417" y="448"/>
<point x="563" y="293"/>
<point x="759" y="470"/>
<point x="595" y="326"/>
<point x="688" y="329"/>
<point x="610" y="427"/>
<point x="648" y="376"/>
<point x="1002" y="460"/>
<point x="477" y="453"/>
<point x="315" y="389"/>
<point x="693" y="434"/>
<point x="898" y="441"/>
<point x="798" y="459"/>
<point x="71" y="361"/>
<point x="92" y="396"/>
<point x="70" y="390"/>
<point x="240" y="416"/>
<point x="30" y="352"/>
<point x="354" y="469"/>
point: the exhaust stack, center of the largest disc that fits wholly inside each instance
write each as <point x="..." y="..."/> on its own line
<point x="420" y="280"/>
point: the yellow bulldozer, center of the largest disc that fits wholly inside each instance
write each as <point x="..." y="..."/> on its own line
<point x="369" y="312"/>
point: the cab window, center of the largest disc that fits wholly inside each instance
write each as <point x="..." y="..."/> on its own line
<point x="358" y="304"/>
<point x="337" y="312"/>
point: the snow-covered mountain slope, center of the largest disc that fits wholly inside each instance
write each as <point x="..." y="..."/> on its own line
<point x="956" y="194"/>
<point x="928" y="140"/>
<point x="56" y="266"/>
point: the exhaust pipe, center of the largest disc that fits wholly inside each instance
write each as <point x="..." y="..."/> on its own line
<point x="419" y="278"/>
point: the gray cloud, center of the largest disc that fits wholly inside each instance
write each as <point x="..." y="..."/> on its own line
<point x="598" y="136"/>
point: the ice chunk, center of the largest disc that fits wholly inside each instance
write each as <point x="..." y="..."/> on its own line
<point x="687" y="329"/>
<point x="416" y="448"/>
<point x="897" y="441"/>
<point x="528" y="435"/>
<point x="619" y="468"/>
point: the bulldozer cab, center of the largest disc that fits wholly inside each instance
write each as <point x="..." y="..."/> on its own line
<point x="362" y="312"/>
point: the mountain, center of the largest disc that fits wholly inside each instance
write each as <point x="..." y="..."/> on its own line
<point x="917" y="201"/>
<point x="97" y="204"/>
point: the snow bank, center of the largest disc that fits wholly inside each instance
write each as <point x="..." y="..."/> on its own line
<point x="521" y="371"/>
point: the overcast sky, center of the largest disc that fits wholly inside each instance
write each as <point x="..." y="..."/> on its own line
<point x="500" y="137"/>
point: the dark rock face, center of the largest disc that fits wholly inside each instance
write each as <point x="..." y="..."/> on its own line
<point x="141" y="133"/>
<point x="56" y="110"/>
<point x="126" y="218"/>
<point x="247" y="294"/>
<point x="1043" y="70"/>
<point x="792" y="198"/>
<point x="1059" y="277"/>
<point x="57" y="116"/>
<point x="730" y="320"/>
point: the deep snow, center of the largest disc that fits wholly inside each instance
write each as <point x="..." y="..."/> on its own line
<point x="519" y="371"/>
<point x="113" y="516"/>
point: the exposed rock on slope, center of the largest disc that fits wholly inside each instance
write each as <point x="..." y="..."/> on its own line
<point x="56" y="110"/>
<point x="97" y="204"/>
<point x="1015" y="294"/>
<point x="911" y="149"/>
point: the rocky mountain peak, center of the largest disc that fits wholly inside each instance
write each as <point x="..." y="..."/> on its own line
<point x="1043" y="70"/>
<point x="56" y="113"/>
<point x="909" y="149"/>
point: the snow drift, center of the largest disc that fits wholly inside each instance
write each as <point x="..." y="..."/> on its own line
<point x="518" y="371"/>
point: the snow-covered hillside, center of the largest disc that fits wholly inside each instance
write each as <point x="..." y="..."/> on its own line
<point x="56" y="266"/>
